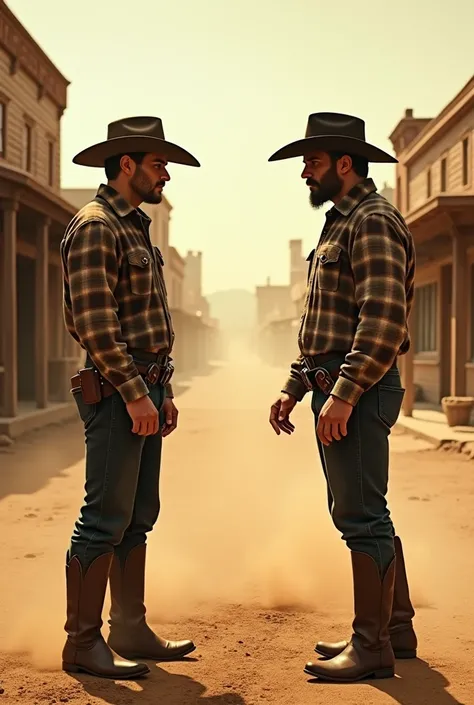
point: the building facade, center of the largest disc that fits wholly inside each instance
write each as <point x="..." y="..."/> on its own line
<point x="435" y="193"/>
<point x="279" y="309"/>
<point x="37" y="358"/>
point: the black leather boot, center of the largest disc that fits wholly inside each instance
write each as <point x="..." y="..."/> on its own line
<point x="129" y="632"/>
<point x="85" y="649"/>
<point x="369" y="653"/>
<point x="402" y="635"/>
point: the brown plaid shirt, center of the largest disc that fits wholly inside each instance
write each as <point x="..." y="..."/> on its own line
<point x="114" y="291"/>
<point x="359" y="294"/>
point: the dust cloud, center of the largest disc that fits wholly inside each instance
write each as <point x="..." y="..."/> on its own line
<point x="244" y="520"/>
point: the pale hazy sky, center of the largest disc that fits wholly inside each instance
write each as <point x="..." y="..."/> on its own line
<point x="235" y="80"/>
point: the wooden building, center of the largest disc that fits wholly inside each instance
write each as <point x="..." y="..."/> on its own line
<point x="435" y="193"/>
<point x="37" y="356"/>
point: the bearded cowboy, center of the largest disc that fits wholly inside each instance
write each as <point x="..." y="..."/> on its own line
<point x="116" y="308"/>
<point x="353" y="328"/>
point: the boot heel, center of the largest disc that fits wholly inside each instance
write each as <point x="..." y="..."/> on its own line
<point x="71" y="668"/>
<point x="384" y="673"/>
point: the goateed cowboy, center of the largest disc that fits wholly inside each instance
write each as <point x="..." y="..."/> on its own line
<point x="115" y="306"/>
<point x="353" y="328"/>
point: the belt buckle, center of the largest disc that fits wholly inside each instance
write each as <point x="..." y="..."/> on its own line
<point x="152" y="373"/>
<point x="324" y="380"/>
<point x="305" y="371"/>
<point x="167" y="373"/>
<point x="304" y="375"/>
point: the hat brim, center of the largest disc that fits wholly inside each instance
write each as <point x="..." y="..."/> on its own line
<point x="333" y="143"/>
<point x="96" y="155"/>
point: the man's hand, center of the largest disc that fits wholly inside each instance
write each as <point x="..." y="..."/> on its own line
<point x="280" y="414"/>
<point x="332" y="420"/>
<point x="171" y="417"/>
<point x="144" y="415"/>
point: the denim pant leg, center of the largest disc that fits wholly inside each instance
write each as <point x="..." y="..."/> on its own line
<point x="356" y="469"/>
<point x="113" y="455"/>
<point x="146" y="507"/>
<point x="323" y="465"/>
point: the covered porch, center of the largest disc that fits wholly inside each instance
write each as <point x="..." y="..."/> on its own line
<point x="37" y="355"/>
<point x="441" y="358"/>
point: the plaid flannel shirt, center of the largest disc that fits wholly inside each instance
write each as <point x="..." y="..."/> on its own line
<point x="359" y="293"/>
<point x="114" y="290"/>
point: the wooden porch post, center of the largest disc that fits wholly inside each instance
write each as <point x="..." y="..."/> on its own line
<point x="458" y="315"/>
<point x="9" y="296"/>
<point x="41" y="314"/>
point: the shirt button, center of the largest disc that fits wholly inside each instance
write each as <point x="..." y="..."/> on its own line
<point x="144" y="260"/>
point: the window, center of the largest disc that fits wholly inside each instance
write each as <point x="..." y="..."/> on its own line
<point x="27" y="147"/>
<point x="51" y="163"/>
<point x="428" y="183"/>
<point x="399" y="193"/>
<point x="443" y="175"/>
<point x="3" y="120"/>
<point x="426" y="328"/>
<point x="465" y="161"/>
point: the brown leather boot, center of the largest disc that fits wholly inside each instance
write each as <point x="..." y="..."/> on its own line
<point x="85" y="649"/>
<point x="129" y="632"/>
<point x="369" y="653"/>
<point x="402" y="634"/>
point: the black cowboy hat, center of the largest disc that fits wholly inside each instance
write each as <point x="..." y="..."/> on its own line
<point x="333" y="132"/>
<point x="134" y="134"/>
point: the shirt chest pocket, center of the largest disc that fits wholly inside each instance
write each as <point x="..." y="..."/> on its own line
<point x="328" y="267"/>
<point x="140" y="268"/>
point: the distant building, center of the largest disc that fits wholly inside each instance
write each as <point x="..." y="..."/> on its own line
<point x="435" y="193"/>
<point x="273" y="303"/>
<point x="194" y="301"/>
<point x="388" y="192"/>
<point x="37" y="356"/>
<point x="279" y="309"/>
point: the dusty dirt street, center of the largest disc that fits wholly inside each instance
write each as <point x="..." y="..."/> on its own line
<point x="244" y="559"/>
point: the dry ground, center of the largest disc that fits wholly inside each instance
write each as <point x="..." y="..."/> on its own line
<point x="244" y="560"/>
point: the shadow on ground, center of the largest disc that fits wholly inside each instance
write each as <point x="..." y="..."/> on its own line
<point x="416" y="683"/>
<point x="158" y="687"/>
<point x="39" y="456"/>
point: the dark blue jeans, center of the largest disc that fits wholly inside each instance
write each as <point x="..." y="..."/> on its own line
<point x="357" y="468"/>
<point x="122" y="500"/>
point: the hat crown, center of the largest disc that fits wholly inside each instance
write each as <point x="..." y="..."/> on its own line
<point x="136" y="127"/>
<point x="335" y="124"/>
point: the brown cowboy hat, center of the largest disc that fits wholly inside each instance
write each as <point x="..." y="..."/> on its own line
<point x="333" y="132"/>
<point x="134" y="134"/>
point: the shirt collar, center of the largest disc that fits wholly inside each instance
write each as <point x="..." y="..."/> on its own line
<point x="355" y="196"/>
<point x="118" y="203"/>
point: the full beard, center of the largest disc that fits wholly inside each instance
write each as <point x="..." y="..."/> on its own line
<point x="326" y="189"/>
<point x="145" y="189"/>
